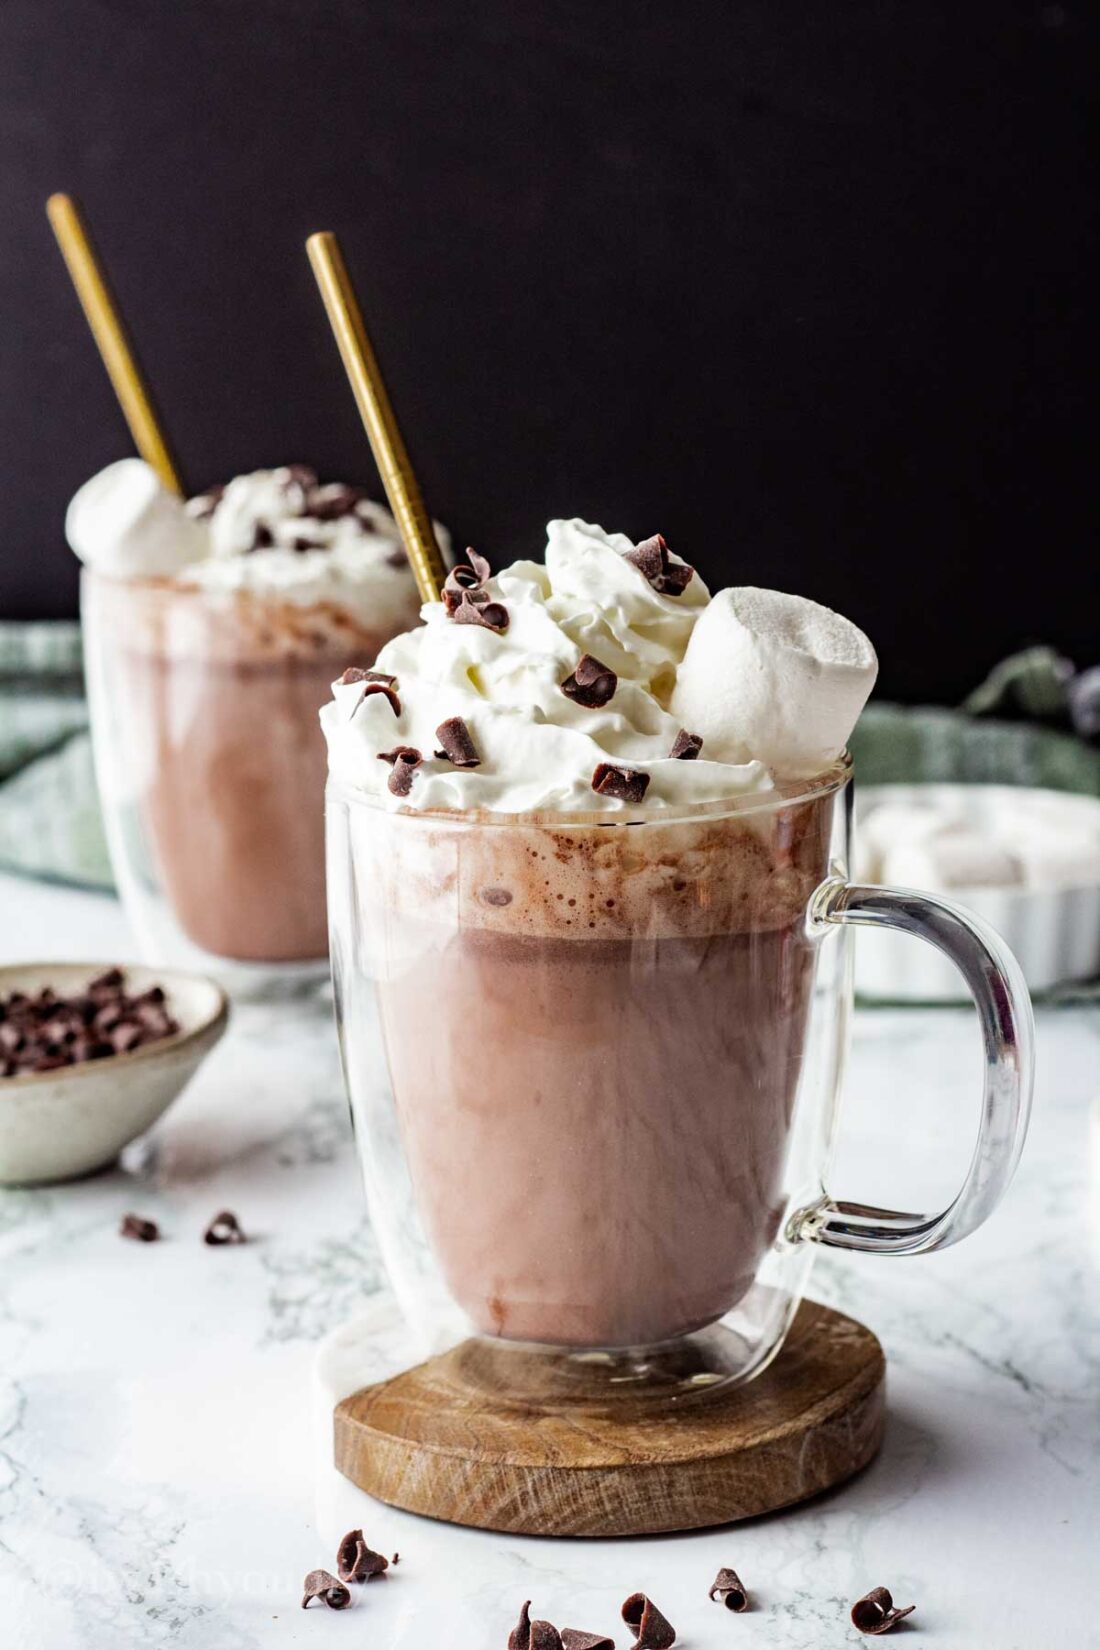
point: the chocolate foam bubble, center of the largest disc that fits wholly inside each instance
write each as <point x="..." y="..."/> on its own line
<point x="687" y="878"/>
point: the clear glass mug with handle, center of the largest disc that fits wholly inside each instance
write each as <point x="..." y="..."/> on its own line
<point x="595" y="1069"/>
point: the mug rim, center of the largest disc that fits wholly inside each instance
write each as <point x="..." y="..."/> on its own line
<point x="790" y="794"/>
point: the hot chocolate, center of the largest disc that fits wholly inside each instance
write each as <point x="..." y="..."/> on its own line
<point x="206" y="672"/>
<point x="585" y="936"/>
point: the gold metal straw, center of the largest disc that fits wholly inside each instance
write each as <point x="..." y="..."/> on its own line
<point x="365" y="377"/>
<point x="110" y="335"/>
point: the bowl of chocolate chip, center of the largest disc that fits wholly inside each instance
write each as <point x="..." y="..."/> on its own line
<point x="90" y="1056"/>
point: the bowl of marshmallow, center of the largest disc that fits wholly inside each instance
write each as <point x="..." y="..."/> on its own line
<point x="1025" y="860"/>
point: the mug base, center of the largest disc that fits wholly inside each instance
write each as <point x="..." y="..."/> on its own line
<point x="538" y="1442"/>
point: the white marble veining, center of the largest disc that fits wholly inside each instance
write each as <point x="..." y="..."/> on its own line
<point x="157" y="1471"/>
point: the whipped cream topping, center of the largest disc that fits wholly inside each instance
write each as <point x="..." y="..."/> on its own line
<point x="276" y="534"/>
<point x="560" y="676"/>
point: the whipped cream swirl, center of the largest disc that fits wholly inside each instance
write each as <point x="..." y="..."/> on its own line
<point x="560" y="677"/>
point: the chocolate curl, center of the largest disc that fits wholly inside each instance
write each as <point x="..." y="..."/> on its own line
<point x="533" y="1635"/>
<point x="628" y="784"/>
<point x="138" y="1228"/>
<point x="458" y="746"/>
<point x="592" y="683"/>
<point x="319" y="1584"/>
<point x="649" y="1626"/>
<point x="463" y="577"/>
<point x="573" y="1638"/>
<point x="373" y="682"/>
<point x="727" y="1590"/>
<point x="686" y="746"/>
<point x="224" y="1228"/>
<point x="474" y="607"/>
<point x="332" y="502"/>
<point x="404" y="760"/>
<point x="651" y="558"/>
<point x="874" y="1613"/>
<point x="357" y="1562"/>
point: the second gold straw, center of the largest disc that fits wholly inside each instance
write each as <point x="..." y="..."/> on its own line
<point x="365" y="377"/>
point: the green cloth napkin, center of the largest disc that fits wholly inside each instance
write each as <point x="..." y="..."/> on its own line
<point x="50" y="824"/>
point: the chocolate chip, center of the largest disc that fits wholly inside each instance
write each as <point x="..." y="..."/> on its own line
<point x="45" y="1032"/>
<point x="574" y="1638"/>
<point x="224" y="1228"/>
<point x="396" y="1559"/>
<point x="404" y="760"/>
<point x="140" y="1229"/>
<point x="874" y="1613"/>
<point x="495" y="896"/>
<point x="474" y="607"/>
<point x="533" y="1635"/>
<point x="375" y="682"/>
<point x="651" y="558"/>
<point x="649" y="1626"/>
<point x="458" y="746"/>
<point x="727" y="1590"/>
<point x="628" y="784"/>
<point x="319" y="1584"/>
<point x="467" y="577"/>
<point x="333" y="501"/>
<point x="592" y="684"/>
<point x="686" y="746"/>
<point x="396" y="558"/>
<point x="356" y="1561"/>
<point x="303" y="543"/>
<point x="262" y="536"/>
<point x="355" y="674"/>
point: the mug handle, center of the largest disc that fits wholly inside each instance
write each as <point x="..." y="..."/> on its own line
<point x="1008" y="1029"/>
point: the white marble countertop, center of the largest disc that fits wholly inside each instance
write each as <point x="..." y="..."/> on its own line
<point x="158" y="1475"/>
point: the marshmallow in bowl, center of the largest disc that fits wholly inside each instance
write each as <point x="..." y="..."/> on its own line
<point x="124" y="522"/>
<point x="775" y="677"/>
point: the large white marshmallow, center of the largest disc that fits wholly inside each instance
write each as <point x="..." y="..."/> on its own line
<point x="775" y="677"/>
<point x="125" y="523"/>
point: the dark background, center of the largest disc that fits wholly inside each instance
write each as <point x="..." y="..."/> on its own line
<point x="804" y="286"/>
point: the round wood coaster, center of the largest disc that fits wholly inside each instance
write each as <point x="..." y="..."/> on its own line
<point x="438" y="1440"/>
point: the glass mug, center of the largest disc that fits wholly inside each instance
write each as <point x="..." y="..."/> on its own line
<point x="211" y="764"/>
<point x="594" y="1069"/>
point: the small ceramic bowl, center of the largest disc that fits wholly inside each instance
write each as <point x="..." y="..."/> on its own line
<point x="59" y="1125"/>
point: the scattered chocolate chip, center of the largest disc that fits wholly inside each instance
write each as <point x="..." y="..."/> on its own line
<point x="573" y="1638"/>
<point x="647" y="1623"/>
<point x="396" y="558"/>
<point x="458" y="746"/>
<point x="262" y="536"/>
<point x="224" y="1228"/>
<point x="319" y="1584"/>
<point x="140" y="1229"/>
<point x="356" y="1562"/>
<point x="396" y="1559"/>
<point x="875" y="1612"/>
<point x="628" y="784"/>
<point x="376" y="682"/>
<point x="686" y="746"/>
<point x="651" y="558"/>
<point x="533" y="1635"/>
<point x="592" y="684"/>
<point x="302" y="543"/>
<point x="46" y="1032"/>
<point x="404" y="760"/>
<point x="474" y="607"/>
<point x="495" y="896"/>
<point x="727" y="1590"/>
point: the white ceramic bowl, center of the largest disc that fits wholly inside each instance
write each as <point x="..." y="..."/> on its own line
<point x="1054" y="932"/>
<point x="58" y="1125"/>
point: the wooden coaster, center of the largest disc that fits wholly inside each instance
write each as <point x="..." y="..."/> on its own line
<point x="441" y="1440"/>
